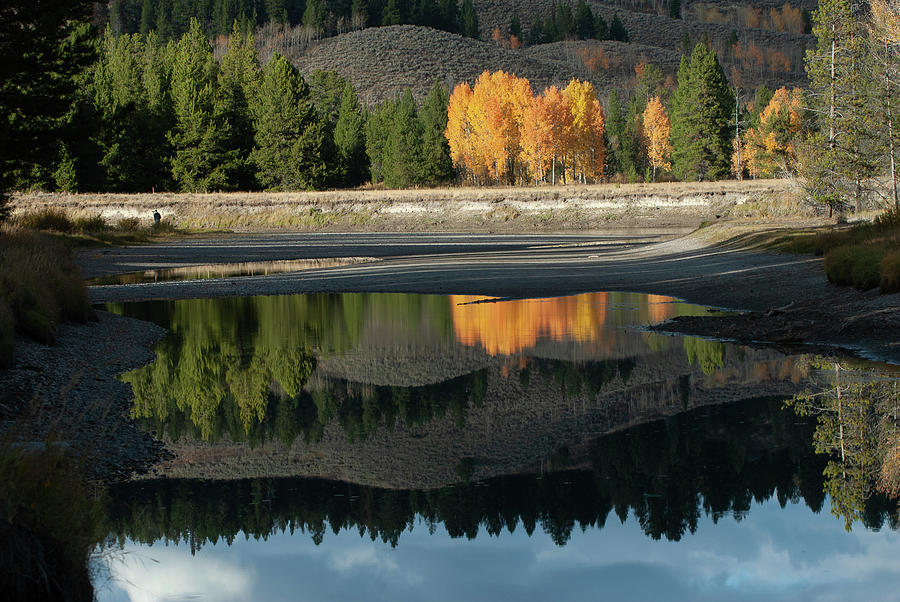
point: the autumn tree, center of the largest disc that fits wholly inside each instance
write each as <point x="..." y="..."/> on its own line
<point x="588" y="150"/>
<point x="771" y="146"/>
<point x="657" y="131"/>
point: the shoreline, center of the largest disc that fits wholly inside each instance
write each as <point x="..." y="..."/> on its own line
<point x="787" y="300"/>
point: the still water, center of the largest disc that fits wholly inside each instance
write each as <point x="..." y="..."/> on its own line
<point x="388" y="446"/>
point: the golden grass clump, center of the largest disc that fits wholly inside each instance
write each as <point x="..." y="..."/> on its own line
<point x="40" y="286"/>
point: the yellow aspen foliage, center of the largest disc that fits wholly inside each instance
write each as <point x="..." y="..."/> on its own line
<point x="498" y="130"/>
<point x="657" y="131"/>
<point x="770" y="147"/>
<point x="588" y="152"/>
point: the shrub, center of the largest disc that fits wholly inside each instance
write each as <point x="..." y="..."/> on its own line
<point x="48" y="219"/>
<point x="890" y="272"/>
<point x="856" y="265"/>
<point x="91" y="224"/>
<point x="890" y="218"/>
<point x="129" y="224"/>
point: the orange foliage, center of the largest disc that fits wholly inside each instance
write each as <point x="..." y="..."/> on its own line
<point x="498" y="129"/>
<point x="656" y="132"/>
<point x="594" y="59"/>
<point x="771" y="146"/>
<point x="510" y="327"/>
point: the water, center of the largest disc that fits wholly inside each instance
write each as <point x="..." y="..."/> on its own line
<point x="387" y="446"/>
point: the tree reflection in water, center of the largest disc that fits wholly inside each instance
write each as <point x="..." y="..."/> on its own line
<point x="858" y="429"/>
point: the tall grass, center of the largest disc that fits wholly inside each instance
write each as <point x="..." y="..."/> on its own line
<point x="40" y="286"/>
<point x="49" y="522"/>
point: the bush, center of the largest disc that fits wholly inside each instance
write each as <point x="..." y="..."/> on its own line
<point x="854" y="265"/>
<point x="890" y="272"/>
<point x="91" y="224"/>
<point x="129" y="224"/>
<point x="48" y="219"/>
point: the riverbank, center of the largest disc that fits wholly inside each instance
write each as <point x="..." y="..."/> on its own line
<point x="577" y="208"/>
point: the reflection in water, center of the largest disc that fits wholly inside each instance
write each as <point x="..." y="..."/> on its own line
<point x="507" y="327"/>
<point x="667" y="473"/>
<point x="858" y="430"/>
<point x="263" y="368"/>
<point x="375" y="413"/>
<point x="224" y="270"/>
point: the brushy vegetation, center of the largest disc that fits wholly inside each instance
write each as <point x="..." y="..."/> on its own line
<point x="49" y="517"/>
<point x="864" y="256"/>
<point x="40" y="286"/>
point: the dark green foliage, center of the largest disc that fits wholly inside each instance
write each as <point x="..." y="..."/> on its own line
<point x="326" y="89"/>
<point x="701" y="112"/>
<point x="437" y="167"/>
<point x="760" y="101"/>
<point x="202" y="160"/>
<point x="293" y="149"/>
<point x="515" y="27"/>
<point x="238" y="80"/>
<point x="350" y="140"/>
<point x="45" y="46"/>
<point x="565" y="22"/>
<point x="403" y="165"/>
<point x="617" y="30"/>
<point x="675" y="9"/>
<point x="469" y="20"/>
<point x="584" y="21"/>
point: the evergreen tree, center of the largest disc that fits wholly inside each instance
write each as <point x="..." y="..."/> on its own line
<point x="238" y="80"/>
<point x="403" y="149"/>
<point x="378" y="128"/>
<point x="201" y="159"/>
<point x="292" y="148"/>
<point x="436" y="164"/>
<point x="350" y="140"/>
<point x="701" y="112"/>
<point x="842" y="154"/>
<point x="615" y="128"/>
<point x="449" y="10"/>
<point x="326" y="90"/>
<point x="45" y="49"/>
<point x="565" y="22"/>
<point x="584" y="21"/>
<point x="148" y="17"/>
<point x="515" y="27"/>
<point x="617" y="30"/>
<point x="469" y="20"/>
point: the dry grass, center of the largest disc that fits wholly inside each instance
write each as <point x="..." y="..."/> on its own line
<point x="510" y="209"/>
<point x="39" y="287"/>
<point x="49" y="517"/>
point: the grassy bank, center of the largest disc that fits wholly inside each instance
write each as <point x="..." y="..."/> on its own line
<point x="40" y="286"/>
<point x="49" y="525"/>
<point x="864" y="256"/>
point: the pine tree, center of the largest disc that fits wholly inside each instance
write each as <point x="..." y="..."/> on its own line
<point x="403" y="149"/>
<point x="238" y="80"/>
<point x="701" y="118"/>
<point x="45" y="49"/>
<point x="350" y="140"/>
<point x="469" y="20"/>
<point x="841" y="154"/>
<point x="201" y="159"/>
<point x="293" y="148"/>
<point x="378" y="128"/>
<point x="436" y="164"/>
<point x="584" y="21"/>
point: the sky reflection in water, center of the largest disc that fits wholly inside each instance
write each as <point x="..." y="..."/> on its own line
<point x="574" y="357"/>
<point x="773" y="553"/>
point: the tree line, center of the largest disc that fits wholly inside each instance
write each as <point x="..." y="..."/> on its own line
<point x="716" y="459"/>
<point x="170" y="19"/>
<point x="169" y="116"/>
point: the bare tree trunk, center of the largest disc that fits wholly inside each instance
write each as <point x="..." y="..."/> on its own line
<point x="890" y="116"/>
<point x="737" y="137"/>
